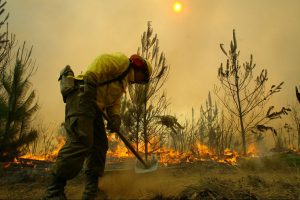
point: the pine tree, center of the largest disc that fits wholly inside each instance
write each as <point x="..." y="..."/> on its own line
<point x="5" y="44"/>
<point x="18" y="104"/>
<point x="245" y="97"/>
<point x="211" y="117"/>
<point x="145" y="111"/>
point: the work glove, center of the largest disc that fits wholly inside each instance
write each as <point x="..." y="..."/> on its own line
<point x="114" y="123"/>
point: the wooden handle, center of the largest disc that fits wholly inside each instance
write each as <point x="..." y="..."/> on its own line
<point x="128" y="144"/>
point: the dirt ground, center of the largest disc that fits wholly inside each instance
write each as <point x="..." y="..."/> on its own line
<point x="205" y="180"/>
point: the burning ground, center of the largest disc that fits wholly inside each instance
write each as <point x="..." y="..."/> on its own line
<point x="252" y="179"/>
<point x="179" y="176"/>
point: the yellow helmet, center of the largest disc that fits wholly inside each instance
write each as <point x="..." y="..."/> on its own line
<point x="138" y="63"/>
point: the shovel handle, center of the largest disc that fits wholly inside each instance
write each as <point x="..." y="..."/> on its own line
<point x="128" y="144"/>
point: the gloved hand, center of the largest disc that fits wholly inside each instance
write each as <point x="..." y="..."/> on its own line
<point x="114" y="123"/>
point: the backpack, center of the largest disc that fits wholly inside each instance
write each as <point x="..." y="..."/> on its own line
<point x="67" y="81"/>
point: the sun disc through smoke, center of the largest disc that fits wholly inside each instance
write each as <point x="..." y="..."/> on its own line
<point x="177" y="7"/>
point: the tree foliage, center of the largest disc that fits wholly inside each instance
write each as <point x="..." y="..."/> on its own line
<point x="146" y="101"/>
<point x="18" y="102"/>
<point x="175" y="129"/>
<point x="5" y="43"/>
<point x="295" y="121"/>
<point x="18" y="106"/>
<point x="209" y="122"/>
<point x="246" y="96"/>
<point x="215" y="130"/>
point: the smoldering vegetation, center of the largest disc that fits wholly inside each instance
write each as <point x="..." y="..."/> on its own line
<point x="269" y="177"/>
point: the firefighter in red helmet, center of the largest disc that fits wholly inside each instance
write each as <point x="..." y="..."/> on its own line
<point x="98" y="90"/>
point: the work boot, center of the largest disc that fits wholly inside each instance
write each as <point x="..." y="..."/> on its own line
<point x="55" y="190"/>
<point x="91" y="190"/>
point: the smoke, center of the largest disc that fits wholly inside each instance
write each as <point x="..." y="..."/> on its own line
<point x="74" y="32"/>
<point x="128" y="184"/>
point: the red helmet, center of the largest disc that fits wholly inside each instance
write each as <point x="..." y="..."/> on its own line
<point x="138" y="63"/>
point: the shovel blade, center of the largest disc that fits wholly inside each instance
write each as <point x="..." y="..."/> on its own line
<point x="140" y="169"/>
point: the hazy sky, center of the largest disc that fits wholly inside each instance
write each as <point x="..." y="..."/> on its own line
<point x="74" y="32"/>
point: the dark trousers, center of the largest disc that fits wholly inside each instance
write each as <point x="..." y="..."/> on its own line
<point x="86" y="142"/>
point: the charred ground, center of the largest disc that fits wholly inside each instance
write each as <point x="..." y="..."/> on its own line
<point x="272" y="177"/>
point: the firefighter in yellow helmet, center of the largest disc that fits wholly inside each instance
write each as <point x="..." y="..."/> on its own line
<point x="100" y="90"/>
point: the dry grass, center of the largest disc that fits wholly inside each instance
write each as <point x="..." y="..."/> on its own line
<point x="251" y="180"/>
<point x="244" y="185"/>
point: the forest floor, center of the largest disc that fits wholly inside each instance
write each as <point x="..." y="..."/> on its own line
<point x="255" y="178"/>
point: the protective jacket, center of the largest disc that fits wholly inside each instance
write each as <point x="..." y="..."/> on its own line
<point x="87" y="141"/>
<point x="104" y="68"/>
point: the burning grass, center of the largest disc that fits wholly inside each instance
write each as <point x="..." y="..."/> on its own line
<point x="49" y="156"/>
<point x="166" y="156"/>
<point x="195" y="174"/>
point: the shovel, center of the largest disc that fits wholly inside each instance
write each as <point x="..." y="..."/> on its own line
<point x="146" y="166"/>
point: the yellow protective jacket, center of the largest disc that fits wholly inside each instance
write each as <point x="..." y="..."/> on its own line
<point x="106" y="67"/>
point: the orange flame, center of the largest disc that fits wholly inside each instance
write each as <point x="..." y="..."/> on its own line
<point x="165" y="156"/>
<point x="199" y="153"/>
<point x="252" y="151"/>
<point x="119" y="150"/>
<point x="47" y="156"/>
